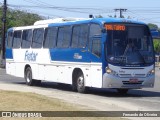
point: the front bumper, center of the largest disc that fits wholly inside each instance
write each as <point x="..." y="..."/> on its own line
<point x="111" y="81"/>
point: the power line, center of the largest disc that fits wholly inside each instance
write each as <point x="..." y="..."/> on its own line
<point x="66" y="9"/>
<point x="137" y="12"/>
<point x="120" y="11"/>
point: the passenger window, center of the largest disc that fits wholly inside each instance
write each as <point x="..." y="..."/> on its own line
<point x="26" y="38"/>
<point x="17" y="39"/>
<point x="75" y="36"/>
<point x="96" y="47"/>
<point x="80" y="36"/>
<point x="50" y="37"/>
<point x="63" y="40"/>
<point x="38" y="38"/>
<point x="95" y="30"/>
<point x="10" y="39"/>
<point x="83" y="36"/>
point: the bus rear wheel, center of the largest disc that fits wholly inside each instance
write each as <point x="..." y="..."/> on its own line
<point x="28" y="77"/>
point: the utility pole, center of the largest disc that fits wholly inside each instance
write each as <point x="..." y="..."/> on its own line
<point x="120" y="11"/>
<point x="4" y="29"/>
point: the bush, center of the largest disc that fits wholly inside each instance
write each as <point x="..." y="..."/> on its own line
<point x="156" y="43"/>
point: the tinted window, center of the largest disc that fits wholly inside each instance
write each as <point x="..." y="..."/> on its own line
<point x="37" y="38"/>
<point x="96" y="47"/>
<point x="50" y="37"/>
<point x="95" y="30"/>
<point x="17" y="39"/>
<point x="83" y="36"/>
<point x="75" y="36"/>
<point x="63" y="40"/>
<point x="129" y="44"/>
<point x="80" y="36"/>
<point x="10" y="38"/>
<point x="26" y="38"/>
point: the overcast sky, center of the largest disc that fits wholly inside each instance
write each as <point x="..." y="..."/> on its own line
<point x="142" y="10"/>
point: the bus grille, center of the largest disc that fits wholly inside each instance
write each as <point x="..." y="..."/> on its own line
<point x="130" y="83"/>
<point x="130" y="75"/>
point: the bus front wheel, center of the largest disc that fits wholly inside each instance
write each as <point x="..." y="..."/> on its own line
<point x="28" y="77"/>
<point x="80" y="83"/>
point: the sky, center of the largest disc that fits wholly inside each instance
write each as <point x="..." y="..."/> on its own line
<point x="147" y="11"/>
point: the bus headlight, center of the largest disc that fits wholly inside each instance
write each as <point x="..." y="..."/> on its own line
<point x="152" y="72"/>
<point x="110" y="71"/>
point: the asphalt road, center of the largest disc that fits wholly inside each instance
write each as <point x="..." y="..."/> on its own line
<point x="147" y="99"/>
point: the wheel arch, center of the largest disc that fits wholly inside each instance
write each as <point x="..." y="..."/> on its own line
<point x="75" y="73"/>
<point x="26" y="66"/>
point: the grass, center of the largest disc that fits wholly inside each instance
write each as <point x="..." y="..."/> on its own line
<point x="19" y="101"/>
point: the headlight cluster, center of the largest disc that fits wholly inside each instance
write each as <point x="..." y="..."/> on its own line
<point x="110" y="71"/>
<point x="151" y="72"/>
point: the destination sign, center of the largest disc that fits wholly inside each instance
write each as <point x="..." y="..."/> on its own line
<point x="115" y="27"/>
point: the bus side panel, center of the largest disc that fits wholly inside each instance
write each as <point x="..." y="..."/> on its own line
<point x="51" y="73"/>
<point x="34" y="68"/>
<point x="65" y="74"/>
<point x="14" y="66"/>
<point x="41" y="72"/>
<point x="61" y="72"/>
<point x="19" y="69"/>
<point x="87" y="76"/>
<point x="96" y="75"/>
<point x="10" y="67"/>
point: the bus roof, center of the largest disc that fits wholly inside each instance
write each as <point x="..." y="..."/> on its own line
<point x="71" y="21"/>
<point x="97" y="20"/>
<point x="59" y="20"/>
<point x="27" y="27"/>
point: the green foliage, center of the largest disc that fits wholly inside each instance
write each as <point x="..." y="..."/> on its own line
<point x="21" y="18"/>
<point x="156" y="43"/>
<point x="17" y="18"/>
<point x="152" y="26"/>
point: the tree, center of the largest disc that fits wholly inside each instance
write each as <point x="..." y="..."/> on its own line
<point x="152" y="26"/>
<point x="17" y="18"/>
<point x="156" y="43"/>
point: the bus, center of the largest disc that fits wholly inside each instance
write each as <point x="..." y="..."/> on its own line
<point x="114" y="53"/>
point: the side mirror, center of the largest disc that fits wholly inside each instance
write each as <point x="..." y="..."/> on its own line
<point x="103" y="30"/>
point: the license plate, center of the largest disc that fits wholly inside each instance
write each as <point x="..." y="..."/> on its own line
<point x="133" y="80"/>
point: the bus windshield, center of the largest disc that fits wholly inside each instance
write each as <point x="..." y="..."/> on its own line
<point x="129" y="44"/>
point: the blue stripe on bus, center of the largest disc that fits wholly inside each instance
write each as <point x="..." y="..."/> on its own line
<point x="97" y="20"/>
<point x="9" y="53"/>
<point x="73" y="55"/>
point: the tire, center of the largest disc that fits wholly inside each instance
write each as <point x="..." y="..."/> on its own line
<point x="28" y="77"/>
<point x="122" y="91"/>
<point x="80" y="83"/>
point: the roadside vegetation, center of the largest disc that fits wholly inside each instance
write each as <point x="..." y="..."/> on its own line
<point x="156" y="45"/>
<point x="17" y="18"/>
<point x="19" y="101"/>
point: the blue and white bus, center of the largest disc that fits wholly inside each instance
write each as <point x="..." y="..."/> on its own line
<point x="96" y="52"/>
